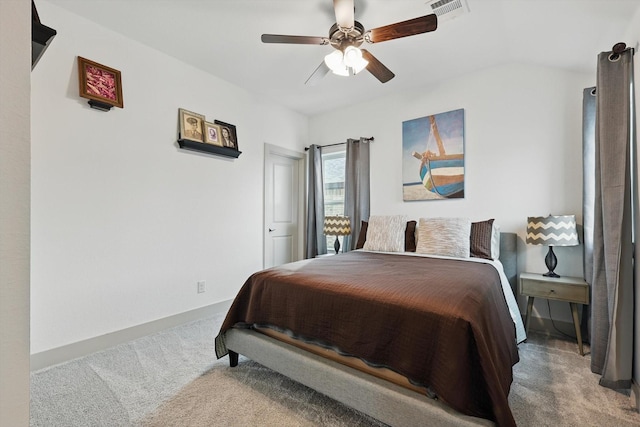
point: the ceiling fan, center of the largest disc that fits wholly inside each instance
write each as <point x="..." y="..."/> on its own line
<point x="347" y="35"/>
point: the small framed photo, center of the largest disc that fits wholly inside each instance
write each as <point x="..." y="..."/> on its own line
<point x="100" y="83"/>
<point x="229" y="137"/>
<point x="191" y="125"/>
<point x="212" y="134"/>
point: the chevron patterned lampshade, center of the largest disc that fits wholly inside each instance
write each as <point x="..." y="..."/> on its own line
<point x="337" y="226"/>
<point x="552" y="230"/>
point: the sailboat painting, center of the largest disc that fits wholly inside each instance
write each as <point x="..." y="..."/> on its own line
<point x="433" y="157"/>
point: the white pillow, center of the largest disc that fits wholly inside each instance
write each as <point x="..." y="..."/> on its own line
<point x="495" y="241"/>
<point x="386" y="233"/>
<point x="444" y="236"/>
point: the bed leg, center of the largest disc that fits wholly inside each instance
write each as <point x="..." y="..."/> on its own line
<point x="233" y="359"/>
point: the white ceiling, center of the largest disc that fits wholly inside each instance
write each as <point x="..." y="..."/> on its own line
<point x="222" y="37"/>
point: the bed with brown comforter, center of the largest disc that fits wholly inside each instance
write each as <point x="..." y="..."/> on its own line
<point x="442" y="323"/>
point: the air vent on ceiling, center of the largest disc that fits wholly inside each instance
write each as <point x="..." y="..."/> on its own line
<point x="448" y="9"/>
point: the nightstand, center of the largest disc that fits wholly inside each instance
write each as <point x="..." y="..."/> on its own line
<point x="573" y="290"/>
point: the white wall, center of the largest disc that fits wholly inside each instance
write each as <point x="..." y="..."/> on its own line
<point x="15" y="65"/>
<point x="523" y="152"/>
<point x="124" y="223"/>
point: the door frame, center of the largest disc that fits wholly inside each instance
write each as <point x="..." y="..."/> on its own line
<point x="270" y="149"/>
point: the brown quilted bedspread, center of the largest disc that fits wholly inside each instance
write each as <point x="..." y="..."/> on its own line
<point x="442" y="323"/>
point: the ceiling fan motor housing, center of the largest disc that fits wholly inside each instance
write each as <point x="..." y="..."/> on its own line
<point x="341" y="39"/>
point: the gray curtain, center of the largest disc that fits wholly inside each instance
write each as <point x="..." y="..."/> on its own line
<point x="612" y="280"/>
<point x="315" y="241"/>
<point x="356" y="193"/>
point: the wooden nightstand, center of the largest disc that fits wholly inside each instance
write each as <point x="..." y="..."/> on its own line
<point x="573" y="290"/>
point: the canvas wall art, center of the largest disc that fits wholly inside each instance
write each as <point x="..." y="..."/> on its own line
<point x="433" y="157"/>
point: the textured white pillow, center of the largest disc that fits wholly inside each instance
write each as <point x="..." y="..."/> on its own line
<point x="386" y="233"/>
<point x="495" y="241"/>
<point x="444" y="236"/>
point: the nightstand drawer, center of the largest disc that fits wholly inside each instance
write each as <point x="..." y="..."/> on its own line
<point x="573" y="290"/>
<point x="557" y="291"/>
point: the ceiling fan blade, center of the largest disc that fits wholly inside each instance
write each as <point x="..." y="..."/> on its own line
<point x="423" y="24"/>
<point x="318" y="74"/>
<point x="278" y="38"/>
<point x="344" y="13"/>
<point x="377" y="68"/>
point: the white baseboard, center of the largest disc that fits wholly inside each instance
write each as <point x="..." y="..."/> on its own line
<point x="69" y="352"/>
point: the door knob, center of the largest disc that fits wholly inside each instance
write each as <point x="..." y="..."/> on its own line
<point x="272" y="229"/>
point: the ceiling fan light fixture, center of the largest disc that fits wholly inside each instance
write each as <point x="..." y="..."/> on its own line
<point x="347" y="64"/>
<point x="335" y="62"/>
<point x="352" y="55"/>
<point x="353" y="59"/>
<point x="360" y="65"/>
<point x="344" y="72"/>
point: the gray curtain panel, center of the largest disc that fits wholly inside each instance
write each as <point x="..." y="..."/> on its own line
<point x="588" y="192"/>
<point x="612" y="287"/>
<point x="356" y="193"/>
<point x="315" y="241"/>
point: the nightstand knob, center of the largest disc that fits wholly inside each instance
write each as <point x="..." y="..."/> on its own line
<point x="553" y="291"/>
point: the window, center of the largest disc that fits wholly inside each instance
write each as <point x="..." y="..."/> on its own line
<point x="333" y="168"/>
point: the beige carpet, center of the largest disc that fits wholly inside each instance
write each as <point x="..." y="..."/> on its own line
<point x="553" y="386"/>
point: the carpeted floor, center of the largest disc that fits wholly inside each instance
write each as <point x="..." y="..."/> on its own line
<point x="173" y="379"/>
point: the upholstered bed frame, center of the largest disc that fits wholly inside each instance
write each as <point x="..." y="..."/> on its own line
<point x="380" y="399"/>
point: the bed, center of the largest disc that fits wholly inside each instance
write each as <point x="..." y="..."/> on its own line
<point x="407" y="338"/>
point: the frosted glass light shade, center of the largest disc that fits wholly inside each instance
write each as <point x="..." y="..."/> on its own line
<point x="334" y="60"/>
<point x="341" y="64"/>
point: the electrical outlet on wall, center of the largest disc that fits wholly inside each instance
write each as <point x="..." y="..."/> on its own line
<point x="202" y="286"/>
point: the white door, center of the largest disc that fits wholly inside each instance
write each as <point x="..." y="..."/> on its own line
<point x="282" y="211"/>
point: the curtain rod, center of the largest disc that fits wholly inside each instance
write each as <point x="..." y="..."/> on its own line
<point x="370" y="139"/>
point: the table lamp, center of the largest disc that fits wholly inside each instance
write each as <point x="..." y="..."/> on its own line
<point x="552" y="230"/>
<point x="337" y="226"/>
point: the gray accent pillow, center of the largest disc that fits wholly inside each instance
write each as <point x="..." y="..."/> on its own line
<point x="386" y="233"/>
<point x="444" y="236"/>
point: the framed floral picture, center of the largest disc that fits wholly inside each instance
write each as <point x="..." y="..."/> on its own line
<point x="191" y="125"/>
<point x="100" y="84"/>
<point x="212" y="134"/>
<point x="228" y="135"/>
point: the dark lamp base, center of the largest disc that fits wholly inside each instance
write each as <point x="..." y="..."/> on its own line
<point x="551" y="261"/>
<point x="336" y="245"/>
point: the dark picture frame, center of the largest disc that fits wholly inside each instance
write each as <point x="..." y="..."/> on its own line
<point x="191" y="125"/>
<point x="212" y="134"/>
<point x="100" y="84"/>
<point x="228" y="129"/>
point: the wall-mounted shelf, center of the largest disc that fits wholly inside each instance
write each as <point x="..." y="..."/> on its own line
<point x="209" y="148"/>
<point x="41" y="36"/>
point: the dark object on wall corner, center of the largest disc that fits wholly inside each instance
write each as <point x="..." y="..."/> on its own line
<point x="41" y="36"/>
<point x="208" y="148"/>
